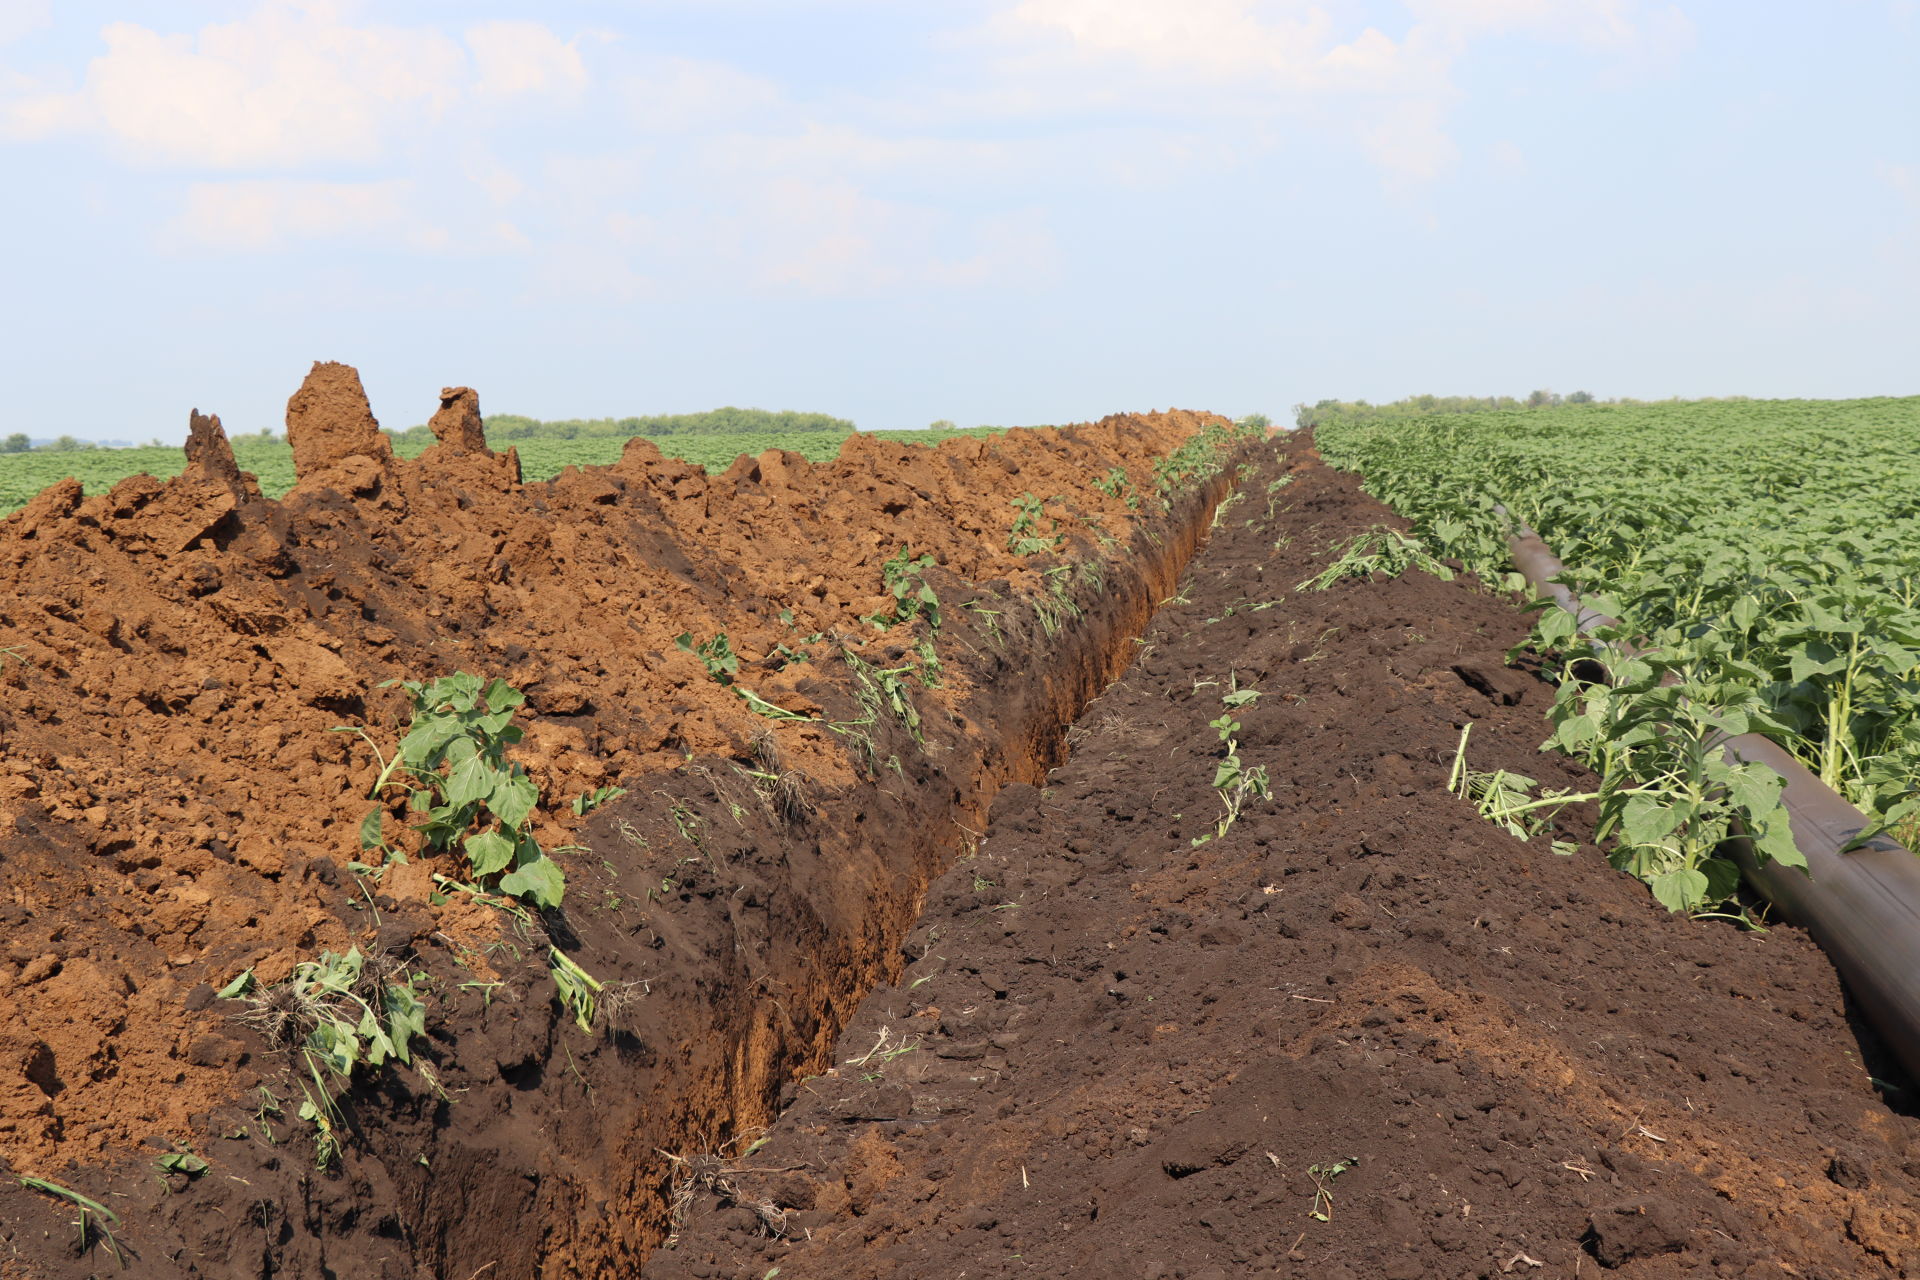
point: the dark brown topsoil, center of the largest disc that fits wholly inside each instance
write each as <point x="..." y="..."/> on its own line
<point x="1365" y="1034"/>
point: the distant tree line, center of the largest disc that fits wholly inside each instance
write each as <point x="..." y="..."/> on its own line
<point x="505" y="428"/>
<point x="1307" y="415"/>
<point x="19" y="443"/>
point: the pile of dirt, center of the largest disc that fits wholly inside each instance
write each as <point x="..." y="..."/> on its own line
<point x="1362" y="1034"/>
<point x="176" y="806"/>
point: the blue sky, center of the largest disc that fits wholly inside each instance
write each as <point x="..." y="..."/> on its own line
<point x="993" y="211"/>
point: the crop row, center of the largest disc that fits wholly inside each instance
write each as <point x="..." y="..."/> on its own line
<point x="22" y="475"/>
<point x="1763" y="558"/>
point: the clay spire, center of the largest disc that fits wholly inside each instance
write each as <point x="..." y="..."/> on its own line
<point x="209" y="453"/>
<point x="329" y="421"/>
<point x="457" y="425"/>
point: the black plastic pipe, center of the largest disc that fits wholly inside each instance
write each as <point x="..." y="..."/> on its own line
<point x="1862" y="905"/>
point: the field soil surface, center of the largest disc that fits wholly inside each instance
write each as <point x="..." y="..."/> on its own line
<point x="1363" y="1034"/>
<point x="178" y="804"/>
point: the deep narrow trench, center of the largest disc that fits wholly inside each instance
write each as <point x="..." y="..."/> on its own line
<point x="855" y="893"/>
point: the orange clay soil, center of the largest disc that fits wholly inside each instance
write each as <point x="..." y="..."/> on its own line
<point x="176" y="804"/>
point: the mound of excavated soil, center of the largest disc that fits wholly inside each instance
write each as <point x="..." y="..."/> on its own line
<point x="1365" y="1034"/>
<point x="176" y="806"/>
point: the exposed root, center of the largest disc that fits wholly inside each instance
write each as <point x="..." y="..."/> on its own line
<point x="618" y="1000"/>
<point x="283" y="1014"/>
<point x="693" y="1176"/>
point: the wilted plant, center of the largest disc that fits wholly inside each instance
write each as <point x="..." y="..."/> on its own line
<point x="1507" y="800"/>
<point x="335" y="1014"/>
<point x="452" y="765"/>
<point x="692" y="1175"/>
<point x="1117" y="484"/>
<point x="95" y="1222"/>
<point x="722" y="663"/>
<point x="578" y="989"/>
<point x="1376" y="550"/>
<point x="716" y="655"/>
<point x="1025" y="538"/>
<point x="1323" y="1176"/>
<point x="906" y="582"/>
<point x="589" y="801"/>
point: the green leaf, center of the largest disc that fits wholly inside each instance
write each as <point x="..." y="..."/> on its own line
<point x="1893" y="817"/>
<point x="1723" y="878"/>
<point x="1732" y="721"/>
<point x="379" y="1047"/>
<point x="1556" y="627"/>
<point x="1575" y="732"/>
<point x="1773" y="839"/>
<point x="182" y="1162"/>
<point x="333" y="1048"/>
<point x="540" y="882"/>
<point x="1680" y="890"/>
<point x="1646" y="820"/>
<point x="471" y="777"/>
<point x="422" y="745"/>
<point x="370" y="830"/>
<point x="406" y="1018"/>
<point x="1754" y="789"/>
<point x="489" y="852"/>
<point x="501" y="696"/>
<point x="494" y="724"/>
<point x="513" y="799"/>
<point x="460" y="688"/>
<point x="237" y="988"/>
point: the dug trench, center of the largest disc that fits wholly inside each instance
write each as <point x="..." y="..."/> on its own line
<point x="1361" y="1033"/>
<point x="179" y="809"/>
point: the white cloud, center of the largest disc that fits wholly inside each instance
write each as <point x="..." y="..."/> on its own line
<point x="1598" y="21"/>
<point x="1408" y="140"/>
<point x="258" y="215"/>
<point x="832" y="239"/>
<point x="263" y="214"/>
<point x="748" y="226"/>
<point x="495" y="180"/>
<point x="689" y="95"/>
<point x="1905" y="180"/>
<point x="817" y="147"/>
<point x="579" y="272"/>
<point x="1207" y="37"/>
<point x="1276" y="57"/>
<point x="1506" y="159"/>
<point x="23" y="17"/>
<point x="1284" y="46"/>
<point x="514" y="59"/>
<point x="292" y="83"/>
